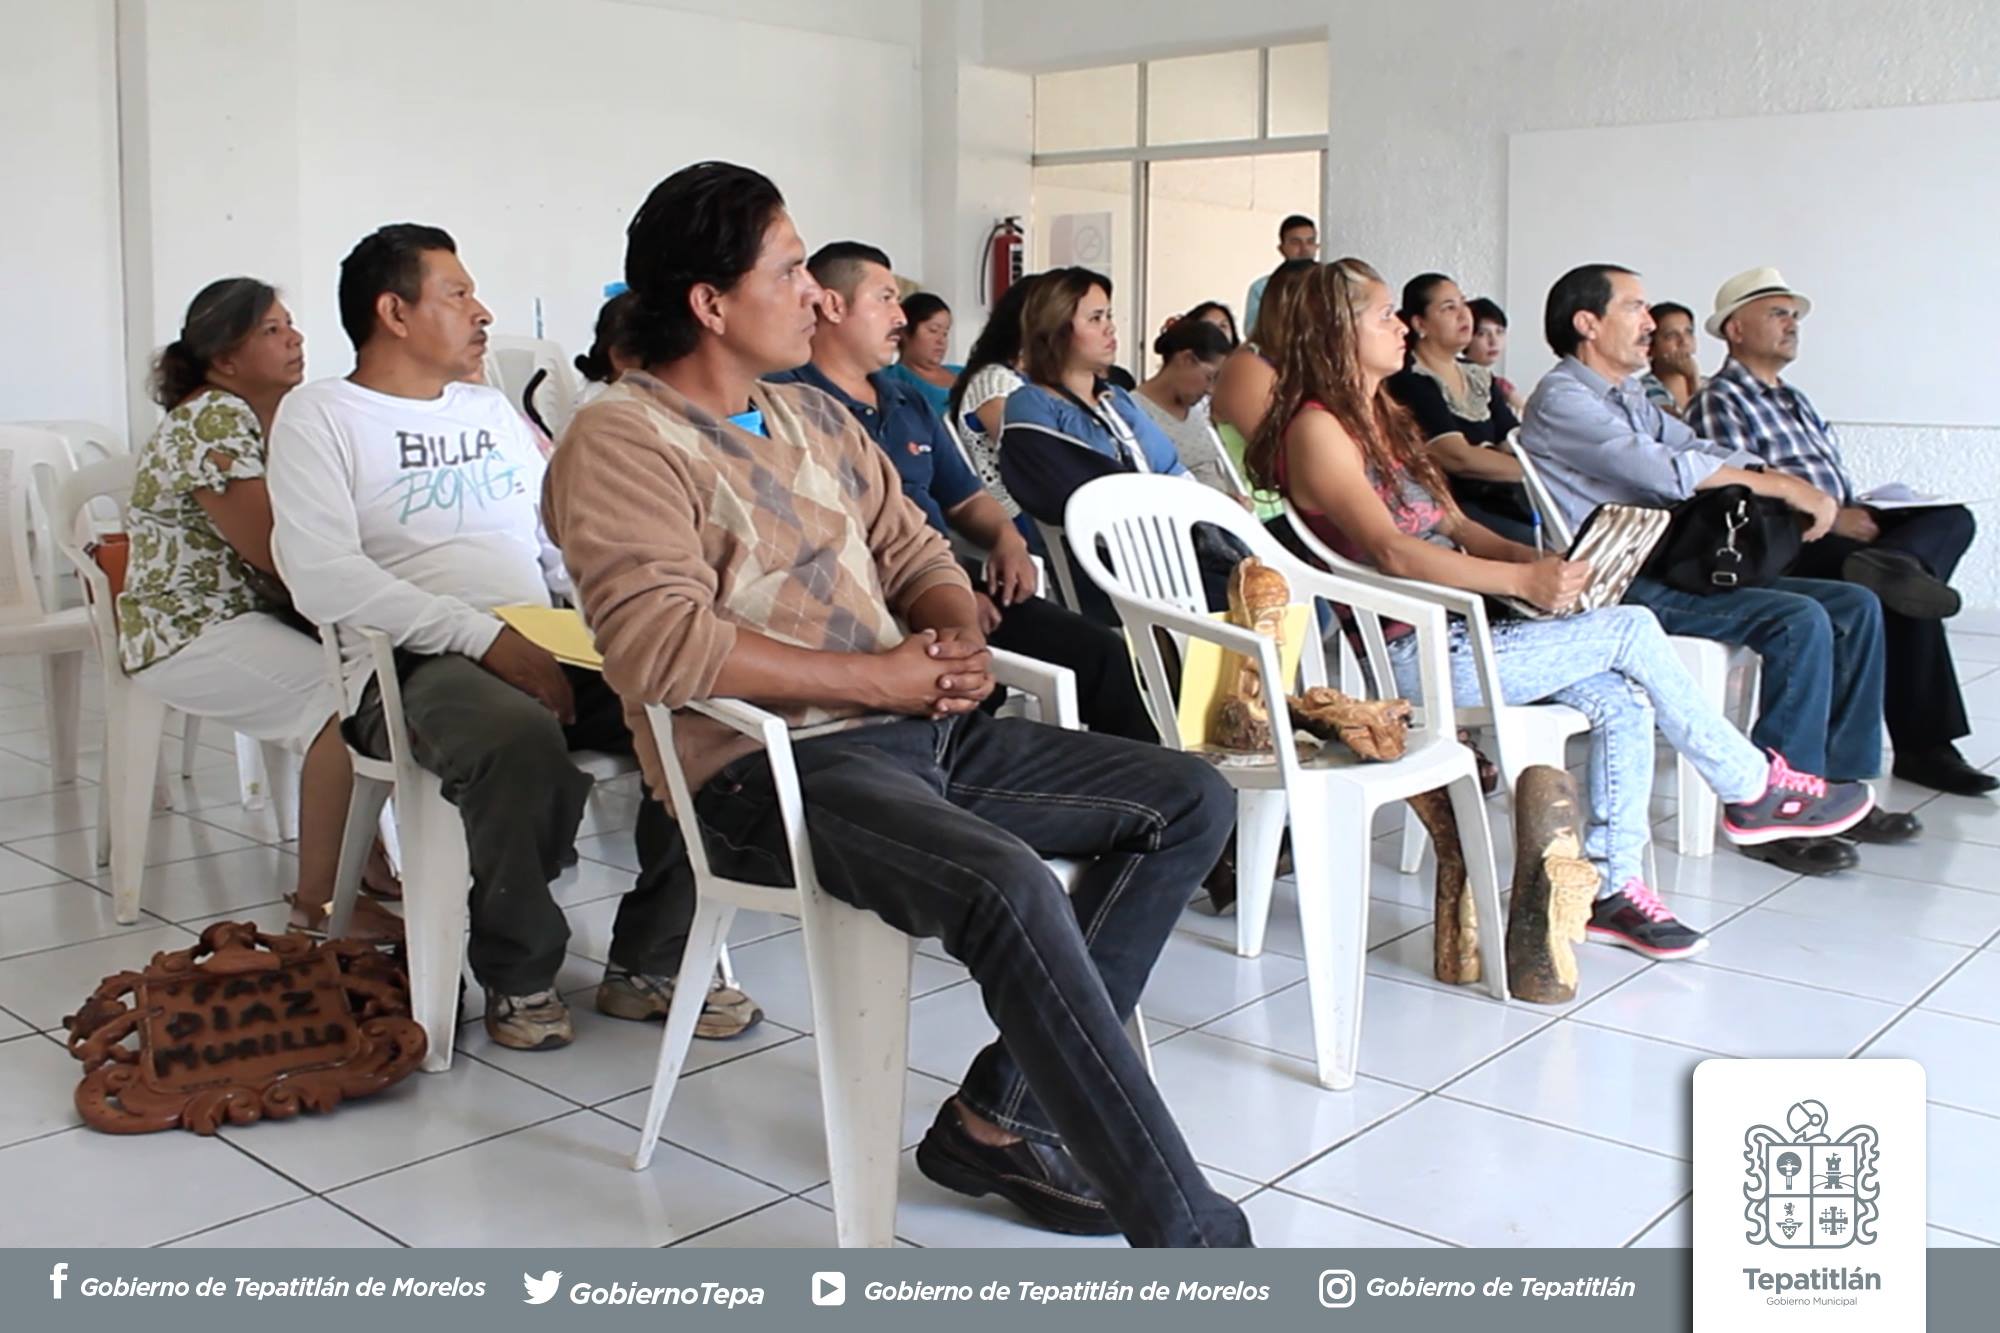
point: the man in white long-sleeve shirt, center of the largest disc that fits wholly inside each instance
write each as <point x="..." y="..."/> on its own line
<point x="405" y="500"/>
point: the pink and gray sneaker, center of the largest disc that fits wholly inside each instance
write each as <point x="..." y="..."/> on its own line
<point x="1796" y="805"/>
<point x="1634" y="918"/>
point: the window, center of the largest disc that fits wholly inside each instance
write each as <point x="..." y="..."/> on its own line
<point x="1171" y="176"/>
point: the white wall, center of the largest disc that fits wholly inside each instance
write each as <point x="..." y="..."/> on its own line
<point x="1423" y="94"/>
<point x="267" y="136"/>
<point x="60" y="343"/>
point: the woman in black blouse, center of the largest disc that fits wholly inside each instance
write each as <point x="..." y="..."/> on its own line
<point x="1461" y="410"/>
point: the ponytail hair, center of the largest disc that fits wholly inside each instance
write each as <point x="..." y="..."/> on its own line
<point x="219" y="318"/>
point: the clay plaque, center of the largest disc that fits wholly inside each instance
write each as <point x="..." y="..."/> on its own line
<point x="242" y="1026"/>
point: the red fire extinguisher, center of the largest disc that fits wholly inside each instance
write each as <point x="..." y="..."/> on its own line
<point x="1006" y="247"/>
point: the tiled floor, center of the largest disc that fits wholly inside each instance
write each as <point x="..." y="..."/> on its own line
<point x="1472" y="1123"/>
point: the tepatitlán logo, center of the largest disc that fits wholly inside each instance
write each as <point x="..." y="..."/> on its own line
<point x="1809" y="1195"/>
<point x="1807" y="1189"/>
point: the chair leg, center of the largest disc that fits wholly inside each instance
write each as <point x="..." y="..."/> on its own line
<point x="133" y="733"/>
<point x="727" y="968"/>
<point x="1135" y="1031"/>
<point x="253" y="783"/>
<point x="357" y="837"/>
<point x="62" y="691"/>
<point x="1333" y="917"/>
<point x="436" y="881"/>
<point x="1411" y="858"/>
<point x="191" y="743"/>
<point x="104" y="769"/>
<point x="281" y="780"/>
<point x="859" y="968"/>
<point x="704" y="948"/>
<point x="1475" y="838"/>
<point x="1260" y="830"/>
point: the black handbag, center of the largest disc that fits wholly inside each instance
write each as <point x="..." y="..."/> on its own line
<point x="1724" y="539"/>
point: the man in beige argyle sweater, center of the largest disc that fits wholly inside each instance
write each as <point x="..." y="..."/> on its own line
<point x="734" y="538"/>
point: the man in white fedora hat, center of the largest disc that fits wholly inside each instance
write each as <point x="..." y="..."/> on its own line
<point x="1905" y="556"/>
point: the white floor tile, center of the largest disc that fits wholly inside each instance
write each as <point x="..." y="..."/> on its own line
<point x="569" y="1182"/>
<point x="1960" y="1056"/>
<point x="40" y="1079"/>
<point x="590" y="881"/>
<point x="1962" y="819"/>
<point x="1196" y="980"/>
<point x="1931" y="860"/>
<point x="42" y="987"/>
<point x="210" y="886"/>
<point x="20" y="872"/>
<point x="1595" y="1081"/>
<point x="1477" y="1177"/>
<point x="611" y="1057"/>
<point x="87" y="1188"/>
<point x="1287" y="1221"/>
<point x="1736" y="1014"/>
<point x="1940" y="1239"/>
<point x="12" y="1027"/>
<point x="423" y="1115"/>
<point x="25" y="777"/>
<point x="260" y="825"/>
<point x="58" y="914"/>
<point x="1837" y="955"/>
<point x="1675" y="1231"/>
<point x="1258" y="1113"/>
<point x="1886" y="906"/>
<point x="49" y="812"/>
<point x="1726" y="876"/>
<point x="173" y="838"/>
<point x="1973" y="990"/>
<point x="762" y="1115"/>
<point x="614" y="849"/>
<point x="1412" y="959"/>
<point x="309" y="1224"/>
<point x="1415" y="1035"/>
<point x="1959" y="1199"/>
<point x="789" y="1224"/>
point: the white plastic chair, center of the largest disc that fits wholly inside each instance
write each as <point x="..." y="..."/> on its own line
<point x="1153" y="579"/>
<point x="135" y="718"/>
<point x="1709" y="661"/>
<point x="1052" y="542"/>
<point x="1523" y="734"/>
<point x="436" y="869"/>
<point x="30" y="621"/>
<point x="857" y="965"/>
<point x="511" y="363"/>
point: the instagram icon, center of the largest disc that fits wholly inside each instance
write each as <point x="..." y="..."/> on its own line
<point x="1336" y="1288"/>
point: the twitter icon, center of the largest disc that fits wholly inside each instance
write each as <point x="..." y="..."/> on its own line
<point x="541" y="1290"/>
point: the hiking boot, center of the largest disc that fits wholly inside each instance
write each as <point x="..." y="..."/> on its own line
<point x="537" y="1022"/>
<point x="641" y="997"/>
<point x="1796" y="805"/>
<point x="1634" y="918"/>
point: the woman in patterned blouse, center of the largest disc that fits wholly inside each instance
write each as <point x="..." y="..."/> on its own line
<point x="203" y="622"/>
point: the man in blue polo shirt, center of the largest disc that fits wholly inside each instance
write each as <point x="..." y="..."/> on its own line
<point x="854" y="342"/>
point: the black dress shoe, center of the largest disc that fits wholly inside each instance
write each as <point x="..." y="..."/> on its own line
<point x="1942" y="768"/>
<point x="1805" y="856"/>
<point x="1885" y="826"/>
<point x="1042" y="1181"/>
<point x="1902" y="582"/>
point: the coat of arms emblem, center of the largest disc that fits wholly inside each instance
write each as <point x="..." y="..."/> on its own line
<point x="1807" y="1189"/>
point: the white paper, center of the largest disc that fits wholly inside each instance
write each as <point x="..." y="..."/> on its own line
<point x="1898" y="496"/>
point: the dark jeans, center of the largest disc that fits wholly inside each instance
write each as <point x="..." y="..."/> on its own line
<point x="504" y="762"/>
<point x="940" y="828"/>
<point x="1922" y="703"/>
<point x="1821" y="691"/>
<point x="1107" y="691"/>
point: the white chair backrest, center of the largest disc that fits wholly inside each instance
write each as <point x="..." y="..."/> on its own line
<point x="91" y="442"/>
<point x="71" y="501"/>
<point x="1146" y="525"/>
<point x="27" y="556"/>
<point x="511" y="364"/>
<point x="1229" y="469"/>
<point x="1554" y="525"/>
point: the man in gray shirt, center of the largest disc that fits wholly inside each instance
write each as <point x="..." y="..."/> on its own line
<point x="1595" y="438"/>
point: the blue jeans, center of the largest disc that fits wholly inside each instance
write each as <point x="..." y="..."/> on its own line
<point x="940" y="829"/>
<point x="1821" y="697"/>
<point x="1615" y="667"/>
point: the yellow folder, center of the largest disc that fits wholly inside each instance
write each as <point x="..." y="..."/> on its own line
<point x="1208" y="669"/>
<point x="558" y="629"/>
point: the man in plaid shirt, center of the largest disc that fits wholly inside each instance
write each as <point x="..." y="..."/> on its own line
<point x="1905" y="556"/>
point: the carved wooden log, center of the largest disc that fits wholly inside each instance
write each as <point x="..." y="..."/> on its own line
<point x="1257" y="598"/>
<point x="1372" y="728"/>
<point x="1455" y="956"/>
<point x="1553" y="888"/>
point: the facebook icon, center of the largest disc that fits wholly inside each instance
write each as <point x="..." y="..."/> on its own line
<point x="57" y="1276"/>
